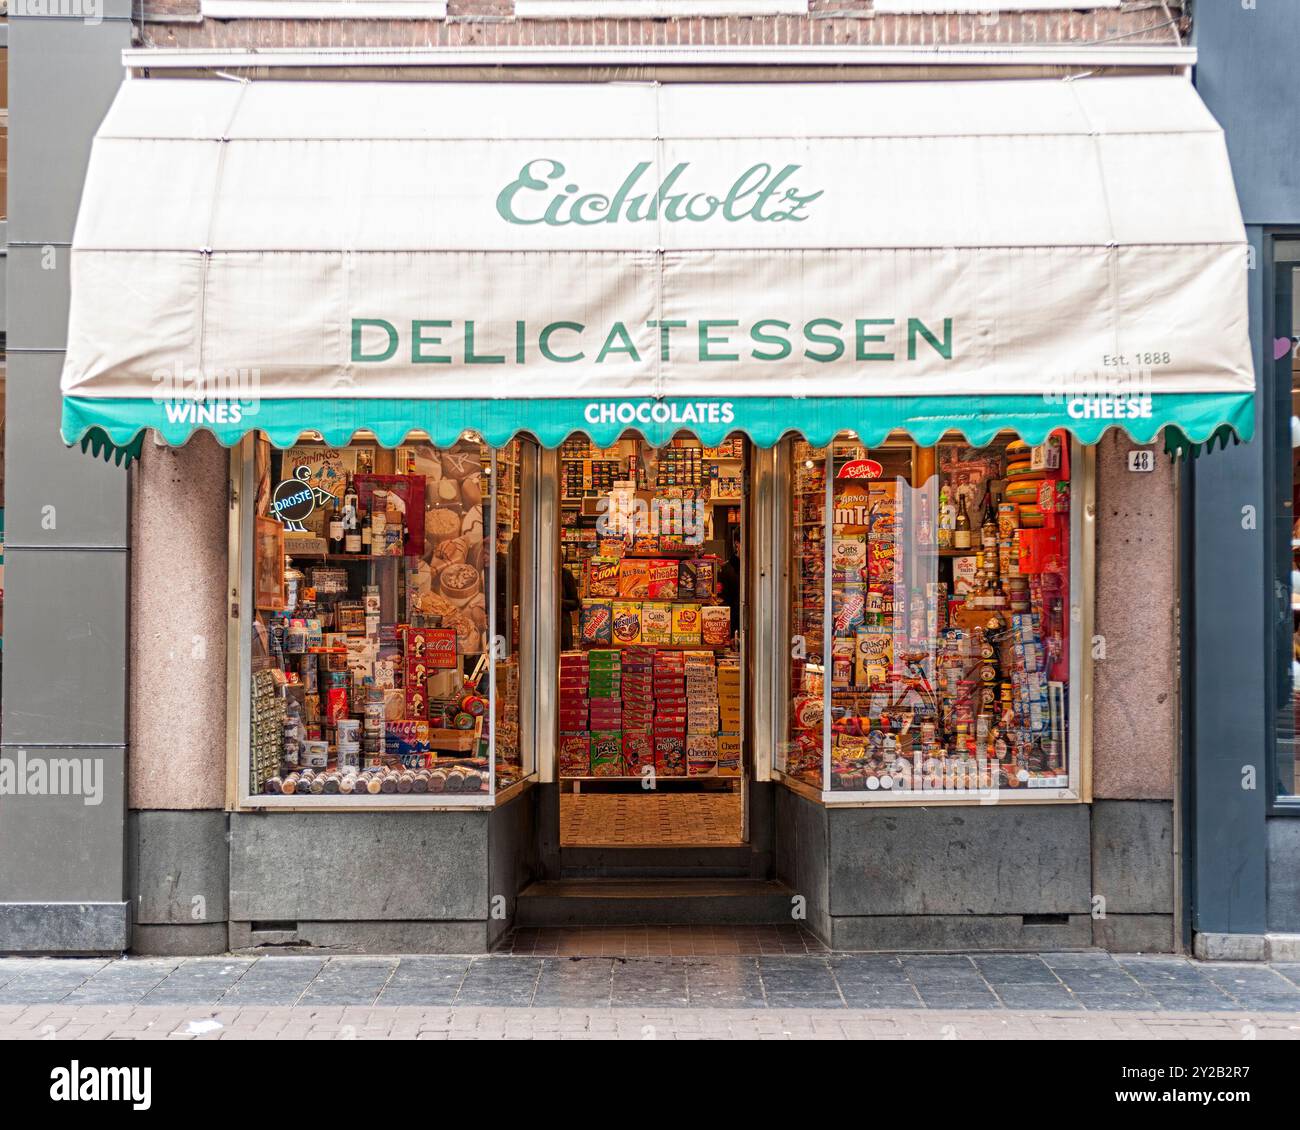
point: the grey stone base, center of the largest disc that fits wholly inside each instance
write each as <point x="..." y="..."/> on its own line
<point x="1247" y="947"/>
<point x="199" y="940"/>
<point x="917" y="933"/>
<point x="64" y="928"/>
<point x="392" y="937"/>
<point x="1134" y="933"/>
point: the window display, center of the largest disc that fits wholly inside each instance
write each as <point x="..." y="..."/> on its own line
<point x="929" y="597"/>
<point x="650" y="676"/>
<point x="382" y="578"/>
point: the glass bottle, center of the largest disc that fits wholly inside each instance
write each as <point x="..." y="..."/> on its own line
<point x="961" y="532"/>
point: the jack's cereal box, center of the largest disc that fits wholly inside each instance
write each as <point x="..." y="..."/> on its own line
<point x="607" y="753"/>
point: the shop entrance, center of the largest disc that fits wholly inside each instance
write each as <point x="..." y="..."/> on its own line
<point x="652" y="746"/>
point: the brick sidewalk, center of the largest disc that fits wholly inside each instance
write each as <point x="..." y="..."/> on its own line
<point x="93" y="1022"/>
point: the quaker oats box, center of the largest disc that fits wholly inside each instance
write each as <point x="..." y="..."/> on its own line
<point x="607" y="753"/>
<point x="575" y="754"/>
<point x="715" y="625"/>
<point x="686" y="624"/>
<point x="728" y="755"/>
<point x="662" y="583"/>
<point x="596" y="623"/>
<point x="602" y="576"/>
<point x="633" y="579"/>
<point x="627" y="622"/>
<point x="656" y="622"/>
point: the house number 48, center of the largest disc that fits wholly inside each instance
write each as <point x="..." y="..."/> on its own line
<point x="1141" y="460"/>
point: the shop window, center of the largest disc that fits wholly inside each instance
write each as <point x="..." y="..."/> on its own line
<point x="1285" y="408"/>
<point x="650" y="666"/>
<point x="931" y="646"/>
<point x="390" y="623"/>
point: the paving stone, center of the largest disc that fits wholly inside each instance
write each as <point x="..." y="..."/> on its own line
<point x="1015" y="969"/>
<point x="869" y="968"/>
<point x="857" y="994"/>
<point x="500" y="981"/>
<point x="1036" y="996"/>
<point x="959" y="999"/>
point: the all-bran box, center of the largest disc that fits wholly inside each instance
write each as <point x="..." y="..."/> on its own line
<point x="602" y="577"/>
<point x="656" y="622"/>
<point x="875" y="656"/>
<point x="575" y="754"/>
<point x="596" y="624"/>
<point x="627" y="622"/>
<point x="686" y="624"/>
<point x="633" y="579"/>
<point x="663" y="580"/>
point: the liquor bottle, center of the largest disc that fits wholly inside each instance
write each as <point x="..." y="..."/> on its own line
<point x="989" y="533"/>
<point x="961" y="532"/>
<point x="351" y="519"/>
<point x="367" y="531"/>
<point x="946" y="519"/>
<point x="336" y="528"/>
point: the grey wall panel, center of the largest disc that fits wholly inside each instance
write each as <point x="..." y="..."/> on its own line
<point x="801" y="856"/>
<point x="380" y="866"/>
<point x="38" y="315"/>
<point x="64" y="928"/>
<point x="68" y="847"/>
<point x="1132" y="856"/>
<point x="179" y="867"/>
<point x="990" y="860"/>
<point x="89" y="497"/>
<point x="513" y="859"/>
<point x="65" y="650"/>
<point x="63" y="75"/>
<point x="1284" y="875"/>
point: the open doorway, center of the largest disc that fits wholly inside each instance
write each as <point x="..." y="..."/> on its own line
<point x="651" y="697"/>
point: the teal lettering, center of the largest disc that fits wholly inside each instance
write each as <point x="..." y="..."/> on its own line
<point x="506" y="198"/>
<point x="837" y="346"/>
<point x="544" y="341"/>
<point x="707" y="339"/>
<point x="783" y="349"/>
<point x="944" y="348"/>
<point x="617" y="331"/>
<point x="665" y="327"/>
<point x="358" y="324"/>
<point x="419" y="339"/>
<point x="863" y="337"/>
<point x="473" y="359"/>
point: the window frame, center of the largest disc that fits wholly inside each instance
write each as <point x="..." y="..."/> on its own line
<point x="985" y="7"/>
<point x="653" y="9"/>
<point x="1083" y="478"/>
<point x="325" y="9"/>
<point x="240" y="541"/>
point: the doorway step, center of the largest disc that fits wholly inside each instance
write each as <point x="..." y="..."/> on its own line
<point x="654" y="902"/>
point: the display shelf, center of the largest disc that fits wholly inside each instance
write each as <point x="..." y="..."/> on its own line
<point x="724" y="651"/>
<point x="353" y="556"/>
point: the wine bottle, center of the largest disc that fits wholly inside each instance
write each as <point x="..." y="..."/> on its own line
<point x="961" y="533"/>
<point x="336" y="528"/>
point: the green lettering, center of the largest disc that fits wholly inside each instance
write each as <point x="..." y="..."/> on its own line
<point x="665" y="327"/>
<point x="544" y="341"/>
<point x="863" y="337"/>
<point x="707" y="339"/>
<point x="618" y="331"/>
<point x="944" y="348"/>
<point x="358" y="324"/>
<point x="419" y="339"/>
<point x="783" y="347"/>
<point x="471" y="358"/>
<point x="837" y="346"/>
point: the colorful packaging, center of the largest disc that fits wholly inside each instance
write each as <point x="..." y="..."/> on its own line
<point x="670" y="755"/>
<point x="686" y="624"/>
<point x="575" y="754"/>
<point x="602" y="576"/>
<point x="705" y="576"/>
<point x="728" y="755"/>
<point x="627" y="622"/>
<point x="701" y="755"/>
<point x="656" y="623"/>
<point x="687" y="578"/>
<point x="406" y="737"/>
<point x="633" y="579"/>
<point x="638" y="751"/>
<point x="596" y="624"/>
<point x="715" y="625"/>
<point x="606" y="753"/>
<point x="850" y="609"/>
<point x="848" y="558"/>
<point x="875" y="657"/>
<point x="663" y="580"/>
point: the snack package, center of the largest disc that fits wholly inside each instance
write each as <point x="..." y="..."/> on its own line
<point x="575" y="754"/>
<point x="597" y="623"/>
<point x="728" y="755"/>
<point x="638" y="751"/>
<point x="656" y="622"/>
<point x="602" y="577"/>
<point x="701" y="755"/>
<point x="849" y="558"/>
<point x="715" y="625"/>
<point x="606" y="753"/>
<point x="627" y="622"/>
<point x="670" y="755"/>
<point x="705" y="576"/>
<point x="875" y="657"/>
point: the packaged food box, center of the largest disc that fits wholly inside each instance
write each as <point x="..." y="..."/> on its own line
<point x="606" y="753"/>
<point x="662" y="583"/>
<point x="670" y="755"/>
<point x="728" y="755"/>
<point x="701" y="755"/>
<point x="686" y="624"/>
<point x="633" y="579"/>
<point x="705" y="576"/>
<point x="875" y="657"/>
<point x="638" y="751"/>
<point x="715" y="625"/>
<point x="849" y="609"/>
<point x="602" y="576"/>
<point x="687" y="578"/>
<point x="596" y="624"/>
<point x="406" y="737"/>
<point x="627" y="622"/>
<point x="575" y="754"/>
<point x="849" y="558"/>
<point x="600" y="659"/>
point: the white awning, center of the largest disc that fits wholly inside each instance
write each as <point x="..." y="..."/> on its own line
<point x="504" y="241"/>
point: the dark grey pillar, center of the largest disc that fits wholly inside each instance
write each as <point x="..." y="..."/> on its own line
<point x="62" y="840"/>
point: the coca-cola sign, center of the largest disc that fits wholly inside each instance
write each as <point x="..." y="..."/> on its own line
<point x="861" y="469"/>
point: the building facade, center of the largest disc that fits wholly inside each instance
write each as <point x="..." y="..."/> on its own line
<point x="137" y="621"/>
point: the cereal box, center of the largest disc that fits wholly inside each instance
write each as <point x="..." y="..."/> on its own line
<point x="602" y="576"/>
<point x="597" y="623"/>
<point x="701" y="755"/>
<point x="715" y="625"/>
<point x="662" y="584"/>
<point x="705" y="575"/>
<point x="848" y="558"/>
<point x="575" y="754"/>
<point x="606" y="753"/>
<point x="627" y="622"/>
<point x="728" y="755"/>
<point x="633" y="579"/>
<point x="638" y="751"/>
<point x="875" y="656"/>
<point x="670" y="755"/>
<point x="686" y="624"/>
<point x="656" y="622"/>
